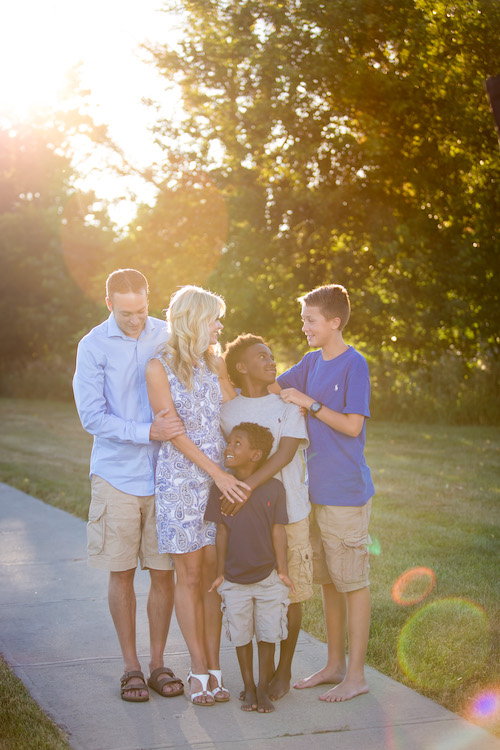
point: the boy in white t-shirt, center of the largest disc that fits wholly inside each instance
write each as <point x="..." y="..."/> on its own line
<point x="251" y="368"/>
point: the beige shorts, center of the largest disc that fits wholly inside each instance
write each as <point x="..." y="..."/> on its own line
<point x="340" y="539"/>
<point x="258" y="609"/>
<point x="300" y="560"/>
<point x="122" y="528"/>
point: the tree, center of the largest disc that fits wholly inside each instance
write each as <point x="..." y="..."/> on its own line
<point x="354" y="143"/>
<point x="180" y="240"/>
<point x="43" y="309"/>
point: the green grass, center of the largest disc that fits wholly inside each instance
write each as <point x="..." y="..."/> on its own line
<point x="437" y="506"/>
<point x="22" y="723"/>
<point x="45" y="452"/>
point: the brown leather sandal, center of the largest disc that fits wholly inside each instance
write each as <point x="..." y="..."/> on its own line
<point x="124" y="687"/>
<point x="157" y="683"/>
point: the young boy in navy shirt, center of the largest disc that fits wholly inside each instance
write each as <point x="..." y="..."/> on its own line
<point x="333" y="385"/>
<point x="251" y="367"/>
<point x="252" y="574"/>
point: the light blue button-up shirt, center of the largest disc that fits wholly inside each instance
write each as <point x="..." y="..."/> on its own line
<point x="112" y="402"/>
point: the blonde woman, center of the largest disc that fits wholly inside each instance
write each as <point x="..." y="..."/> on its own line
<point x="188" y="377"/>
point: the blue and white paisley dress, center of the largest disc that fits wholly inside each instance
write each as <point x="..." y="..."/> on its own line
<point x="182" y="488"/>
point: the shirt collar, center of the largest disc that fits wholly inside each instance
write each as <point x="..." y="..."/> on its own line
<point x="149" y="327"/>
<point x="115" y="330"/>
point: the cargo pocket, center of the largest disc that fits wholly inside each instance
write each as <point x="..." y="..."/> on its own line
<point x="284" y="620"/>
<point x="300" y="567"/>
<point x="225" y="619"/>
<point x="355" y="560"/>
<point x="96" y="527"/>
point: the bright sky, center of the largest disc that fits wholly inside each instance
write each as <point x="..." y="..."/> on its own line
<point x="40" y="40"/>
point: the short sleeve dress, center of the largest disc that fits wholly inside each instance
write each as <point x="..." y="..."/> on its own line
<point x="182" y="488"/>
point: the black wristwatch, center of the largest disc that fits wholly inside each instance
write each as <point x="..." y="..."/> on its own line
<point x="315" y="407"/>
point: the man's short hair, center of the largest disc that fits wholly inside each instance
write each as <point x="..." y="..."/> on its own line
<point x="259" y="437"/>
<point x="233" y="352"/>
<point x="126" y="280"/>
<point x="332" y="301"/>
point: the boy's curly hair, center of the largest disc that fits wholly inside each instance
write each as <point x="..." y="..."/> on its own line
<point x="259" y="437"/>
<point x="233" y="352"/>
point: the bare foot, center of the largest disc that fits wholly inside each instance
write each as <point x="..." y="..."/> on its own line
<point x="264" y="705"/>
<point x="346" y="690"/>
<point x="249" y="700"/>
<point x="323" y="677"/>
<point x="278" y="687"/>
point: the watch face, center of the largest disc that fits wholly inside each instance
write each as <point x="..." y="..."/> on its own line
<point x="316" y="407"/>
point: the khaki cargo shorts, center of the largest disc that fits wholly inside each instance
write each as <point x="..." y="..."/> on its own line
<point x="340" y="539"/>
<point x="122" y="528"/>
<point x="300" y="560"/>
<point x="258" y="609"/>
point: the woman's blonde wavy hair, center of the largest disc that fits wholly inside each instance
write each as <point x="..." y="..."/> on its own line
<point x="189" y="314"/>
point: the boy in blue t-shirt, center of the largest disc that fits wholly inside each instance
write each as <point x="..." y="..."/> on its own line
<point x="333" y="385"/>
<point x="252" y="572"/>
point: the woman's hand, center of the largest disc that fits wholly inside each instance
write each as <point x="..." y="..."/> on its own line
<point x="231" y="488"/>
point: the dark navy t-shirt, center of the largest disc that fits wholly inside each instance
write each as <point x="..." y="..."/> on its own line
<point x="250" y="553"/>
<point x="336" y="466"/>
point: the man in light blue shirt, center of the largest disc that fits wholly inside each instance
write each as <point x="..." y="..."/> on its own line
<point x="112" y="402"/>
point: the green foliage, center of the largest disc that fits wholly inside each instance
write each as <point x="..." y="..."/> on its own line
<point x="179" y="241"/>
<point x="50" y="237"/>
<point x="353" y="143"/>
<point x="448" y="390"/>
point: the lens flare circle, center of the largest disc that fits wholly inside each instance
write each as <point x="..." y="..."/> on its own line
<point x="375" y="548"/>
<point x="484" y="707"/>
<point x="413" y="586"/>
<point x="443" y="643"/>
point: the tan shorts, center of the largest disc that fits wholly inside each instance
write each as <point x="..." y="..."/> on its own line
<point x="300" y="560"/>
<point x="122" y="528"/>
<point x="340" y="539"/>
<point x="258" y="609"/>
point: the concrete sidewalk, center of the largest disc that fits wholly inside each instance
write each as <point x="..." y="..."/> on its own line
<point x="57" y="635"/>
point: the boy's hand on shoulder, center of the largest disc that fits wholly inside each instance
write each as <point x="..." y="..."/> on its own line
<point x="293" y="396"/>
<point x="215" y="585"/>
<point x="287" y="581"/>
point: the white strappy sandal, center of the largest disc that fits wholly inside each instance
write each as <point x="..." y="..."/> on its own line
<point x="203" y="678"/>
<point x="217" y="673"/>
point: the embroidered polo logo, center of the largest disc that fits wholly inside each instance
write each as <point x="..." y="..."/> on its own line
<point x="336" y="388"/>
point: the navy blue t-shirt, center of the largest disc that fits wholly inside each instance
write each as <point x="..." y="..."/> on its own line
<point x="250" y="553"/>
<point x="336" y="467"/>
